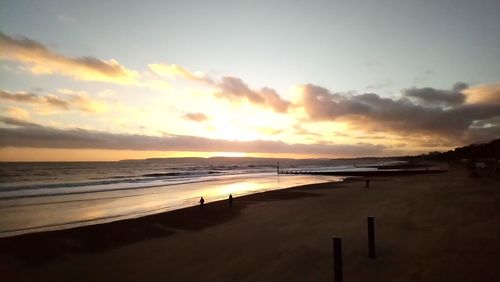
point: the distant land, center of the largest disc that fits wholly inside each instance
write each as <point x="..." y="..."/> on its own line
<point x="263" y="161"/>
<point x="473" y="151"/>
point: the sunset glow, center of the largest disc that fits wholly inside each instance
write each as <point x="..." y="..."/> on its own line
<point x="110" y="94"/>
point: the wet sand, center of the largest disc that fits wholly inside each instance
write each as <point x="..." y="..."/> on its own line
<point x="432" y="227"/>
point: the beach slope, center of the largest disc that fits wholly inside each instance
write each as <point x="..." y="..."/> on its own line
<point x="434" y="227"/>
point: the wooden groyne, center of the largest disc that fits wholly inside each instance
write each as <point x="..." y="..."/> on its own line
<point x="365" y="173"/>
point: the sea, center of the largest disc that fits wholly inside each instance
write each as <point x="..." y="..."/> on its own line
<point x="43" y="196"/>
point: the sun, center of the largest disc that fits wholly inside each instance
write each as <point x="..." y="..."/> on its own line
<point x="229" y="154"/>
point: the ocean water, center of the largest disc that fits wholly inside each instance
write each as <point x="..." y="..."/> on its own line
<point x="38" y="197"/>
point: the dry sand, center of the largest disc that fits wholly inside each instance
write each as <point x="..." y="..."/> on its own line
<point x="436" y="227"/>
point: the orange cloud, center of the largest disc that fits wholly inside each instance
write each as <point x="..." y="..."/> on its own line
<point x="41" y="60"/>
<point x="229" y="87"/>
<point x="18" y="114"/>
<point x="484" y="94"/>
<point x="82" y="101"/>
<point x="78" y="100"/>
<point x="198" y="117"/>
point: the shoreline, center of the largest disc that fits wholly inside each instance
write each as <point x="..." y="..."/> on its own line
<point x="108" y="206"/>
<point x="218" y="204"/>
<point x="39" y="248"/>
<point x="435" y="227"/>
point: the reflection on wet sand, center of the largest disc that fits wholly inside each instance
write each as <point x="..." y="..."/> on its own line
<point x="27" y="215"/>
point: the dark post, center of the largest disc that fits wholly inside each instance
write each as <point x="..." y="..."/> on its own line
<point x="337" y="259"/>
<point x="367" y="183"/>
<point x="231" y="200"/>
<point x="371" y="237"/>
<point x="278" y="168"/>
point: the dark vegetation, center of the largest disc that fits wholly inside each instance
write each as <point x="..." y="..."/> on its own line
<point x="484" y="151"/>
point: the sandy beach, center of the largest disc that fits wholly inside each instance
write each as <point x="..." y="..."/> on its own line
<point x="432" y="227"/>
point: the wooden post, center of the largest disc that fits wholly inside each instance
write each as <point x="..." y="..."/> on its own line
<point x="371" y="237"/>
<point x="337" y="259"/>
<point x="278" y="168"/>
<point x="367" y="183"/>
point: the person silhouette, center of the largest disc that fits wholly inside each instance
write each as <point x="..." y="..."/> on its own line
<point x="230" y="200"/>
<point x="202" y="201"/>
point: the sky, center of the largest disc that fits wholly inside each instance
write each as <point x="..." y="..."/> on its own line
<point x="110" y="80"/>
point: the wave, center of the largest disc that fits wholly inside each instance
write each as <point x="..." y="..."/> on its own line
<point x="111" y="186"/>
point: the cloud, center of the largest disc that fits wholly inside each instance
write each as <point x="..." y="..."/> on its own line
<point x="484" y="94"/>
<point x="19" y="97"/>
<point x="198" y="117"/>
<point x="482" y="134"/>
<point x="17" y="122"/>
<point x="49" y="137"/>
<point x="18" y="113"/>
<point x="81" y="101"/>
<point x="41" y="60"/>
<point x="56" y="102"/>
<point x="31" y="98"/>
<point x="233" y="88"/>
<point x="78" y="100"/>
<point x="438" y="97"/>
<point x="370" y="112"/>
<point x="173" y="71"/>
<point x="320" y="104"/>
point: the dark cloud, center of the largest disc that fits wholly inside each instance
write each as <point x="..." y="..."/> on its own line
<point x="438" y="97"/>
<point x="482" y="134"/>
<point x="199" y="117"/>
<point x="17" y="122"/>
<point x="273" y="100"/>
<point x="234" y="88"/>
<point x="21" y="41"/>
<point x="48" y="137"/>
<point x="459" y="86"/>
<point x="320" y="104"/>
<point x="34" y="99"/>
<point x="20" y="97"/>
<point x="371" y="112"/>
